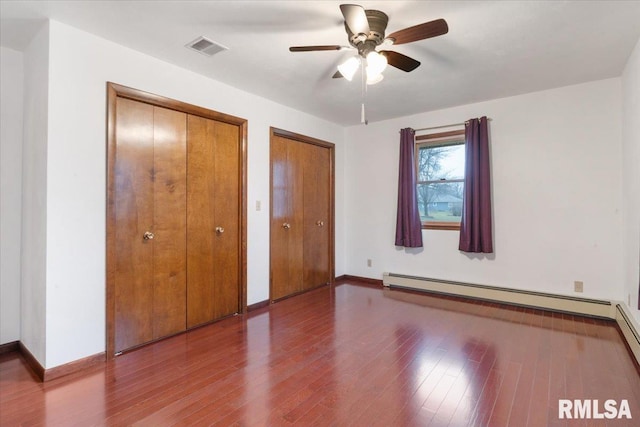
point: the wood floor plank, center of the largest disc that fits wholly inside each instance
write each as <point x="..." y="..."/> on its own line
<point x="345" y="355"/>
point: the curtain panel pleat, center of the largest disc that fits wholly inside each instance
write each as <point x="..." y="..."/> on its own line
<point x="408" y="225"/>
<point x="475" y="226"/>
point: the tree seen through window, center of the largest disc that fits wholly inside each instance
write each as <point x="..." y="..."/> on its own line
<point x="440" y="181"/>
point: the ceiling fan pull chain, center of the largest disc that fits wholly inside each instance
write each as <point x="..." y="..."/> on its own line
<point x="363" y="115"/>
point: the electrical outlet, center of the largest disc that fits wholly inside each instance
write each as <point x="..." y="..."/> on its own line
<point x="369" y="263"/>
<point x="258" y="205"/>
<point x="578" y="286"/>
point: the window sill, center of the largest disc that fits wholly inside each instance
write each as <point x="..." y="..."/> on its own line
<point x="440" y="226"/>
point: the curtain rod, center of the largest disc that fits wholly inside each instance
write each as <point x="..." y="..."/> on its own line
<point x="445" y="126"/>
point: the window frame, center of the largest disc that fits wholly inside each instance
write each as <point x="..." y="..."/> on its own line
<point x="432" y="140"/>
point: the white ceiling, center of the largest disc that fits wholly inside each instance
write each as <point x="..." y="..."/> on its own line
<point x="493" y="49"/>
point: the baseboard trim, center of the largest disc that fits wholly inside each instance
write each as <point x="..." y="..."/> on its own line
<point x="45" y="375"/>
<point x="569" y="304"/>
<point x="9" y="347"/>
<point x="75" y="366"/>
<point x="364" y="280"/>
<point x="629" y="328"/>
<point x="33" y="363"/>
<point x="257" y="306"/>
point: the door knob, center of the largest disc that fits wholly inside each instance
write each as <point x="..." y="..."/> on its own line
<point x="148" y="235"/>
<point x="219" y="230"/>
<point x="286" y="226"/>
<point x="320" y="223"/>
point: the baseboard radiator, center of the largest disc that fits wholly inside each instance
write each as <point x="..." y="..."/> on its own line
<point x="569" y="304"/>
<point x="630" y="329"/>
<point x="585" y="306"/>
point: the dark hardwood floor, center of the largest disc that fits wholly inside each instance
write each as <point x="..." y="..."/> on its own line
<point x="349" y="355"/>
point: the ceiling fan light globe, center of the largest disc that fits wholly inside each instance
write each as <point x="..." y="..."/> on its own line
<point x="349" y="68"/>
<point x="376" y="63"/>
<point x="375" y="79"/>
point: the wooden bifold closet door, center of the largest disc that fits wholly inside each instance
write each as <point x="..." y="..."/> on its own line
<point x="212" y="210"/>
<point x="301" y="214"/>
<point x="150" y="208"/>
<point x="287" y="257"/>
<point x="175" y="229"/>
<point x="315" y="200"/>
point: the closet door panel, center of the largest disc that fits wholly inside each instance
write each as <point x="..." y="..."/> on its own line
<point x="170" y="164"/>
<point x="280" y="214"/>
<point x="296" y="237"/>
<point x="226" y="209"/>
<point x="316" y="188"/>
<point x="286" y="237"/>
<point x="133" y="185"/>
<point x="201" y="225"/>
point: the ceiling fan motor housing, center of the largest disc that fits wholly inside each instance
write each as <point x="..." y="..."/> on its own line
<point x="366" y="31"/>
<point x="366" y="43"/>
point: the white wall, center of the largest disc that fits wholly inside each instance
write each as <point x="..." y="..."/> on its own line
<point x="11" y="71"/>
<point x="556" y="195"/>
<point x="34" y="195"/>
<point x="80" y="66"/>
<point x="631" y="178"/>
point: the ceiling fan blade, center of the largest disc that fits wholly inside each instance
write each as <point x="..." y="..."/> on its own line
<point x="400" y="61"/>
<point x="337" y="75"/>
<point x="313" y="48"/>
<point x="356" y="18"/>
<point x="420" y="32"/>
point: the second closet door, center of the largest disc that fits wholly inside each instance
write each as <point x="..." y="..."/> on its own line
<point x="213" y="227"/>
<point x="300" y="216"/>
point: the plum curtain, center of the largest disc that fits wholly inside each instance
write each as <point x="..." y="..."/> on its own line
<point x="408" y="225"/>
<point x="475" y="226"/>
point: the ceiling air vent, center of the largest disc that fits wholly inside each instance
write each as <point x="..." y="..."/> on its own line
<point x="205" y="46"/>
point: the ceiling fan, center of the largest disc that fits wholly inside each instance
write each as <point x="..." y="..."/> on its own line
<point x="366" y="31"/>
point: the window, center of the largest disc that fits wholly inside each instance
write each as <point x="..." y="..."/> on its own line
<point x="440" y="179"/>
